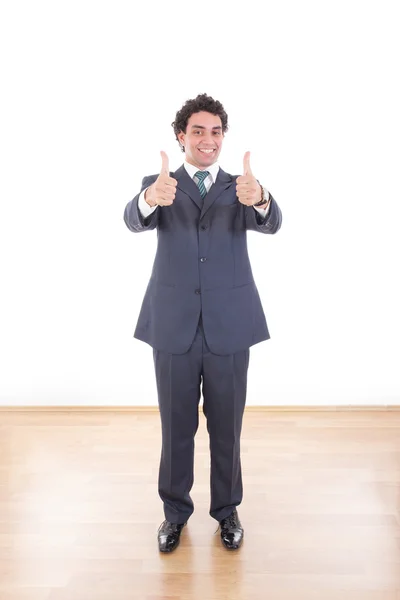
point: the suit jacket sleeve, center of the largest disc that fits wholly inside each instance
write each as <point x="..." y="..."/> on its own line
<point x="133" y="217"/>
<point x="270" y="224"/>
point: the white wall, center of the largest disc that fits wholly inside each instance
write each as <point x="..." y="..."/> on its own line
<point x="89" y="92"/>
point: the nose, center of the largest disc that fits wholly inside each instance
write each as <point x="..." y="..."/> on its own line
<point x="208" y="139"/>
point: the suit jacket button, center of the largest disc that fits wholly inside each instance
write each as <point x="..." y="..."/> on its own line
<point x="198" y="291"/>
<point x="203" y="227"/>
<point x="203" y="259"/>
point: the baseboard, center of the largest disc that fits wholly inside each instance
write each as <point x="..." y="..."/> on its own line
<point x="253" y="408"/>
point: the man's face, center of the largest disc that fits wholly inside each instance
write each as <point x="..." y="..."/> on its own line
<point x="203" y="132"/>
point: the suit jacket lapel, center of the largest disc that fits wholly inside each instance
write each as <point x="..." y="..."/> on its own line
<point x="188" y="186"/>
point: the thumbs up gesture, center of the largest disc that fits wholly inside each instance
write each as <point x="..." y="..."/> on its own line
<point x="163" y="190"/>
<point x="248" y="190"/>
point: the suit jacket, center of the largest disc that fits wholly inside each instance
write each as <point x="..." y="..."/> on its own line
<point x="202" y="267"/>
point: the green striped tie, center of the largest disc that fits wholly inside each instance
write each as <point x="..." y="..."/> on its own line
<point x="201" y="175"/>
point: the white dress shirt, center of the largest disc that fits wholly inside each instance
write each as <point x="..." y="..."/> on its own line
<point x="146" y="210"/>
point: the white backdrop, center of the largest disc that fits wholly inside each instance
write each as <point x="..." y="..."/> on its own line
<point x="89" y="91"/>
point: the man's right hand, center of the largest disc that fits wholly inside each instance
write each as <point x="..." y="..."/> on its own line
<point x="163" y="190"/>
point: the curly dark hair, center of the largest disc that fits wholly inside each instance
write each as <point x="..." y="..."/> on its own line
<point x="201" y="102"/>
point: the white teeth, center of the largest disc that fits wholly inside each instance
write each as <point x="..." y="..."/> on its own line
<point x="206" y="151"/>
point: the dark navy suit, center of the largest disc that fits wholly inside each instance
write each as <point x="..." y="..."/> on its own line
<point x="201" y="313"/>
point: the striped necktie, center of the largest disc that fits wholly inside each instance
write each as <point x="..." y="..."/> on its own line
<point x="201" y="175"/>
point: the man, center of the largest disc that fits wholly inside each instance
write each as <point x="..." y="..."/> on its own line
<point x="201" y="311"/>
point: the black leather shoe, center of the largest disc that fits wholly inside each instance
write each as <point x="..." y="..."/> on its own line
<point x="231" y="531"/>
<point x="168" y="535"/>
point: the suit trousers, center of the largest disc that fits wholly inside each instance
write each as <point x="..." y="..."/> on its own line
<point x="223" y="381"/>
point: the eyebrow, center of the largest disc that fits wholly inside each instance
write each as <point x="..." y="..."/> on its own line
<point x="201" y="127"/>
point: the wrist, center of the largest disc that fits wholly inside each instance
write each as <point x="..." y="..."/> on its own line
<point x="264" y="200"/>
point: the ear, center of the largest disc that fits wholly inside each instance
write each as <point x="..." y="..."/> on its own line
<point x="181" y="139"/>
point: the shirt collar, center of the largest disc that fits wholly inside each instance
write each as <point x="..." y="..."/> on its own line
<point x="192" y="170"/>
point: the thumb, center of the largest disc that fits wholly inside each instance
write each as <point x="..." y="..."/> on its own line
<point x="246" y="164"/>
<point x="165" y="162"/>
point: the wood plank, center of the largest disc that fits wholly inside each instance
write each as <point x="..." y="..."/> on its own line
<point x="79" y="509"/>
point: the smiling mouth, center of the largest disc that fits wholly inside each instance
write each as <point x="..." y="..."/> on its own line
<point x="206" y="151"/>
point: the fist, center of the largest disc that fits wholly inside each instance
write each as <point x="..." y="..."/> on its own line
<point x="163" y="190"/>
<point x="248" y="190"/>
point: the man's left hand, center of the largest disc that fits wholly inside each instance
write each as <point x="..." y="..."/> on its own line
<point x="248" y="190"/>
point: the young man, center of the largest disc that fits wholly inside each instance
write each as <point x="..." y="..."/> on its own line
<point x="201" y="311"/>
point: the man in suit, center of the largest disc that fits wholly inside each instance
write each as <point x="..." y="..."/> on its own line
<point x="201" y="311"/>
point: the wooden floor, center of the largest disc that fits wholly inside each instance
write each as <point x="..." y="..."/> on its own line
<point x="79" y="510"/>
